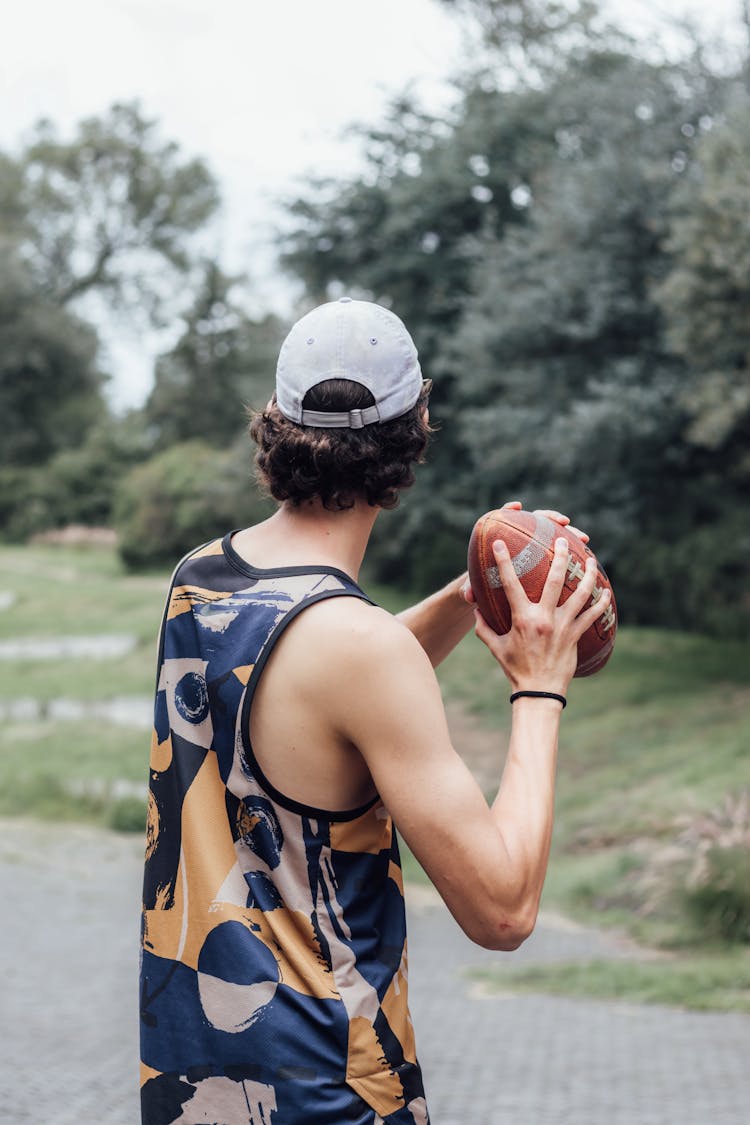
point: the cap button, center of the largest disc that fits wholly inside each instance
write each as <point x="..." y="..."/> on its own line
<point x="345" y="300"/>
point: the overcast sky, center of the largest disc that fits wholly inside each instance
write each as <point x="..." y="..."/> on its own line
<point x="261" y="88"/>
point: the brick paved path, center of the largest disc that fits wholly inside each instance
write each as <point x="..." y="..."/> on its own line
<point x="67" y="1012"/>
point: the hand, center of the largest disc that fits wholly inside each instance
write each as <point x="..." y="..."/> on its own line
<point x="556" y="517"/>
<point x="540" y="651"/>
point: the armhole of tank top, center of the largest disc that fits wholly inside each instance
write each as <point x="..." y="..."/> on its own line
<point x="281" y="798"/>
<point x="170" y="588"/>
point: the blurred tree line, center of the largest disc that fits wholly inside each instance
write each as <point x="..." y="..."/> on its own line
<point x="570" y="249"/>
<point x="111" y="220"/>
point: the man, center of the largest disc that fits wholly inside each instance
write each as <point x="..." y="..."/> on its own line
<point x="295" y="724"/>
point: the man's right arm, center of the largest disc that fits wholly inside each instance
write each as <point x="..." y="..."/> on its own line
<point x="488" y="863"/>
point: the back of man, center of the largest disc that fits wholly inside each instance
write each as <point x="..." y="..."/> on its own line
<point x="295" y="724"/>
<point x="274" y="961"/>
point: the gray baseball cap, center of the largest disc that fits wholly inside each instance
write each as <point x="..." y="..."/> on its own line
<point x="348" y="339"/>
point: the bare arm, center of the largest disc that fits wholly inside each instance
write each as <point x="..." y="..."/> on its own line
<point x="489" y="864"/>
<point x="440" y="621"/>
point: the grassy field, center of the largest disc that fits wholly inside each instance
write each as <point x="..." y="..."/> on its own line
<point x="75" y="770"/>
<point x="648" y="746"/>
<point x="657" y="738"/>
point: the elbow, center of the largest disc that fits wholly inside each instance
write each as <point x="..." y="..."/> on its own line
<point x="504" y="932"/>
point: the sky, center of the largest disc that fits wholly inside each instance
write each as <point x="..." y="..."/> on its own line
<point x="262" y="89"/>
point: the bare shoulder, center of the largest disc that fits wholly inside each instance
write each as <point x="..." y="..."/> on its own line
<point x="355" y="634"/>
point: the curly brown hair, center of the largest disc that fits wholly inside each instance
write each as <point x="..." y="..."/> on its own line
<point x="339" y="466"/>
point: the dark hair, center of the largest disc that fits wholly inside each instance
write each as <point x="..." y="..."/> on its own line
<point x="339" y="466"/>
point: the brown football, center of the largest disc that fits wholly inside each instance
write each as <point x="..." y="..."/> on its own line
<point x="531" y="542"/>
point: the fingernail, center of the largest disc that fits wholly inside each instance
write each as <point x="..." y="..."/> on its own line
<point x="500" y="548"/>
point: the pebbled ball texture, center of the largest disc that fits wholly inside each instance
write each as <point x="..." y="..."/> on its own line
<point x="531" y="542"/>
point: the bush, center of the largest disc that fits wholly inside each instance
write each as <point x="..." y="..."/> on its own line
<point x="719" y="904"/>
<point x="702" y="879"/>
<point x="716" y="894"/>
<point x="76" y="486"/>
<point x="128" y="814"/>
<point x="182" y="497"/>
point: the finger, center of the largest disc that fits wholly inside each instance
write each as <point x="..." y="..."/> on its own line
<point x="516" y="504"/>
<point x="467" y="593"/>
<point x="483" y="631"/>
<point x="509" y="580"/>
<point x="557" y="517"/>
<point x="581" y="596"/>
<point x="591" y="615"/>
<point x="582" y="535"/>
<point x="556" y="576"/>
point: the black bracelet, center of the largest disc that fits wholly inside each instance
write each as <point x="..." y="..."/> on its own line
<point x="539" y="695"/>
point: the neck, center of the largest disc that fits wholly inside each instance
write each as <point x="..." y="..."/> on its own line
<point x="310" y="534"/>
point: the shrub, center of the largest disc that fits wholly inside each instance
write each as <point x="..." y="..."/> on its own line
<point x="182" y="497"/>
<point x="128" y="814"/>
<point x="75" y="486"/>
<point x="719" y="904"/>
<point x="716" y="894"/>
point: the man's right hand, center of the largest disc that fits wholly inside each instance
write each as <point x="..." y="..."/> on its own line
<point x="540" y="651"/>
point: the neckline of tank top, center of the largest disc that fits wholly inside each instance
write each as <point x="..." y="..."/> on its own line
<point x="239" y="563"/>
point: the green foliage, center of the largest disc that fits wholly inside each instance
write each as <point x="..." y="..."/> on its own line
<point x="75" y="486"/>
<point x="104" y="219"/>
<point x="50" y="384"/>
<point x="112" y="210"/>
<point x="127" y="814"/>
<point x="649" y="747"/>
<point x="710" y="871"/>
<point x="569" y="253"/>
<point x="706" y="302"/>
<point x="223" y="361"/>
<point x="719" y="907"/>
<point x="532" y="33"/>
<point x="182" y="497"/>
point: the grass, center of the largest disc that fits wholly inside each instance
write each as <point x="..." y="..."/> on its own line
<point x="662" y="733"/>
<point x="74" y="771"/>
<point x="71" y="770"/>
<point x="77" y="591"/>
<point x="718" y="982"/>
<point x="63" y="591"/>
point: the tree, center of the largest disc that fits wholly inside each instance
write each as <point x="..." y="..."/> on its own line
<point x="50" y="383"/>
<point x="223" y="361"/>
<point x="571" y="253"/>
<point x="531" y="304"/>
<point x="532" y="33"/>
<point x="77" y="485"/>
<point x="111" y="215"/>
<point x="706" y="300"/>
<point x="111" y="211"/>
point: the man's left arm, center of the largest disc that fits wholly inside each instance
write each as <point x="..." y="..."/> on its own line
<point x="440" y="620"/>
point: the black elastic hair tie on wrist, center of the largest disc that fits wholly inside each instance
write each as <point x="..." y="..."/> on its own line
<point x="539" y="695"/>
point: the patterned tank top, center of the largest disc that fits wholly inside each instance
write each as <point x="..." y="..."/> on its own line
<point x="273" y="964"/>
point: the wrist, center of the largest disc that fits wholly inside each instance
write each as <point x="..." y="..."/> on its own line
<point x="553" y="697"/>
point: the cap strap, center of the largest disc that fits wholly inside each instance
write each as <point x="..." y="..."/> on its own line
<point x="351" y="419"/>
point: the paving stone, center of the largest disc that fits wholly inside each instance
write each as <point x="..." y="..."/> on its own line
<point x="68" y="968"/>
